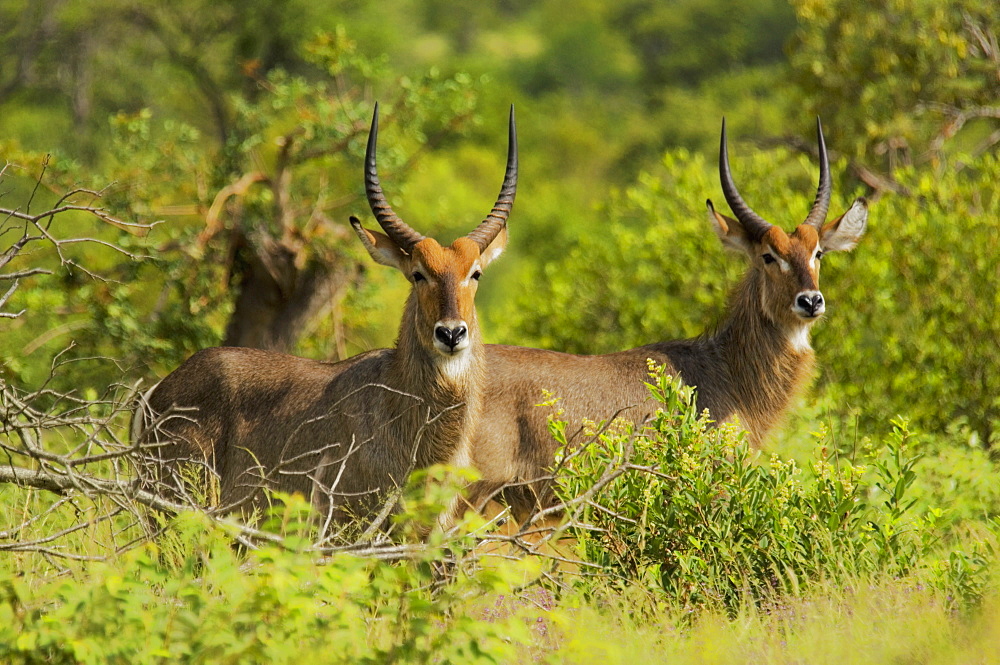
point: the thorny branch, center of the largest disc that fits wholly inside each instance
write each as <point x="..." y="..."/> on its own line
<point x="108" y="471"/>
<point x="102" y="469"/>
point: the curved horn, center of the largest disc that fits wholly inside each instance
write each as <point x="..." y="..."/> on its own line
<point x="394" y="227"/>
<point x="820" y="207"/>
<point x="488" y="229"/>
<point x="751" y="221"/>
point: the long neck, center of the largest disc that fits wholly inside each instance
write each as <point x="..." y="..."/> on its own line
<point x="765" y="364"/>
<point x="449" y="390"/>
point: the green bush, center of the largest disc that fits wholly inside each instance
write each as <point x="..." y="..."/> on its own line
<point x="692" y="509"/>
<point x="916" y="312"/>
<point x="275" y="605"/>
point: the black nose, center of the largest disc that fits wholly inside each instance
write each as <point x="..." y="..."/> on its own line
<point x="450" y="337"/>
<point x="810" y="303"/>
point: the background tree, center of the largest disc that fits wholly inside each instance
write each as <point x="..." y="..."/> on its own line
<point x="902" y="82"/>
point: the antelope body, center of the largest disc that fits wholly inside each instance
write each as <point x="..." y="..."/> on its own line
<point x="750" y="368"/>
<point x="346" y="433"/>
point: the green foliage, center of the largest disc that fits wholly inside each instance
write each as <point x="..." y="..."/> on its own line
<point x="277" y="606"/>
<point x="641" y="277"/>
<point x="963" y="479"/>
<point x="893" y="75"/>
<point x="90" y="60"/>
<point x="919" y="302"/>
<point x="691" y="40"/>
<point x="691" y="509"/>
<point x="581" y="56"/>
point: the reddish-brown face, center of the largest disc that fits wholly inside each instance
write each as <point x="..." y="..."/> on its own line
<point x="789" y="263"/>
<point x="790" y="267"/>
<point x="445" y="280"/>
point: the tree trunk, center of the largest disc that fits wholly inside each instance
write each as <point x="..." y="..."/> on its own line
<point x="280" y="289"/>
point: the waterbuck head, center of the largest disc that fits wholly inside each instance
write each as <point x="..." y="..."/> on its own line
<point x="786" y="265"/>
<point x="441" y="311"/>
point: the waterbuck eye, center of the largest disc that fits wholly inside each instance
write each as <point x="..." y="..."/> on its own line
<point x="476" y="275"/>
<point x="768" y="258"/>
<point x="418" y="276"/>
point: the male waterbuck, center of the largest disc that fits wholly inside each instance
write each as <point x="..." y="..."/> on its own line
<point x="348" y="433"/>
<point x="749" y="368"/>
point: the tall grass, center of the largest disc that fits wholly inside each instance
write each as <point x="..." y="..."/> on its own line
<point x="876" y="621"/>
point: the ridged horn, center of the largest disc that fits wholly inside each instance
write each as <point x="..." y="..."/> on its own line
<point x="398" y="230"/>
<point x="821" y="206"/>
<point x="490" y="227"/>
<point x="751" y="221"/>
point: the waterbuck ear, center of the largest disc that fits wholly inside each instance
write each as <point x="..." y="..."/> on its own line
<point x="843" y="233"/>
<point x="730" y="231"/>
<point x="381" y="248"/>
<point x="495" y="248"/>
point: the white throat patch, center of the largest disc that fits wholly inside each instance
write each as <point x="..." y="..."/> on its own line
<point x="799" y="339"/>
<point x="456" y="365"/>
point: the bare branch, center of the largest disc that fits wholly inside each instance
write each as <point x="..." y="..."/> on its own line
<point x="38" y="181"/>
<point x="25" y="273"/>
<point x="956" y="119"/>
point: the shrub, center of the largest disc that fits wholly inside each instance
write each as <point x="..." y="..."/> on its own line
<point x="693" y="510"/>
<point x="276" y="606"/>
